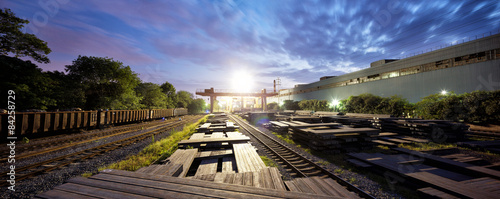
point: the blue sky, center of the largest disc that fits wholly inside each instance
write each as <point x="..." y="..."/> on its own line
<point x="202" y="44"/>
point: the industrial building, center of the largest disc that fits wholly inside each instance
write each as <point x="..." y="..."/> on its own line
<point x="465" y="67"/>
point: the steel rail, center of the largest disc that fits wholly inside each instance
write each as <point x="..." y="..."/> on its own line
<point x="339" y="180"/>
<point x="87" y="153"/>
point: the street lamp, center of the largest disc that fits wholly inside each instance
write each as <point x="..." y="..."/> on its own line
<point x="335" y="103"/>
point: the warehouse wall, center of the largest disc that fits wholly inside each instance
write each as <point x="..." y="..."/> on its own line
<point x="460" y="79"/>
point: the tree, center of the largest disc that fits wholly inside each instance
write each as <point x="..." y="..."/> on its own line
<point x="197" y="106"/>
<point x="13" y="40"/>
<point x="291" y="105"/>
<point x="169" y="90"/>
<point x="32" y="87"/>
<point x="105" y="82"/>
<point x="273" y="106"/>
<point x="151" y="96"/>
<point x="67" y="92"/>
<point x="184" y="98"/>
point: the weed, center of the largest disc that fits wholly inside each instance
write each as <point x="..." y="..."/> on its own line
<point x="427" y="146"/>
<point x="323" y="162"/>
<point x="338" y="171"/>
<point x="26" y="140"/>
<point x="352" y="180"/>
<point x="268" y="162"/>
<point x="86" y="175"/>
<point x="159" y="149"/>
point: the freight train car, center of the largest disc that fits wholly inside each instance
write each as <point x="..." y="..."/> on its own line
<point x="28" y="123"/>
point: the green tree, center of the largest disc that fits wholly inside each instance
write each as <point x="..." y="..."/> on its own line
<point x="105" y="82"/>
<point x="291" y="105"/>
<point x="151" y="96"/>
<point x="169" y="90"/>
<point x="66" y="91"/>
<point x="13" y="40"/>
<point x="273" y="106"/>
<point x="184" y="98"/>
<point x="32" y="87"/>
<point x="196" y="106"/>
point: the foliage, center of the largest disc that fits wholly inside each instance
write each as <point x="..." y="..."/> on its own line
<point x="105" y="81"/>
<point x="13" y="40"/>
<point x="169" y="90"/>
<point x="314" y="105"/>
<point x="368" y="103"/>
<point x="268" y="162"/>
<point x="151" y="96"/>
<point x="184" y="98"/>
<point x="32" y="87"/>
<point x="162" y="148"/>
<point x="197" y="106"/>
<point x="67" y="92"/>
<point x="480" y="106"/>
<point x="291" y="105"/>
<point x="272" y="106"/>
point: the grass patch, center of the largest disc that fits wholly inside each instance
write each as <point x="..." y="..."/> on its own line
<point x="86" y="175"/>
<point x="268" y="162"/>
<point x="159" y="149"/>
<point x="426" y="146"/>
<point x="285" y="138"/>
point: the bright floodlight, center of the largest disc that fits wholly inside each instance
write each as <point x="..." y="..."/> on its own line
<point x="242" y="81"/>
<point x="335" y="102"/>
<point x="444" y="92"/>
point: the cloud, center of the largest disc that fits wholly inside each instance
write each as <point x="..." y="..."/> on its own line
<point x="197" y="43"/>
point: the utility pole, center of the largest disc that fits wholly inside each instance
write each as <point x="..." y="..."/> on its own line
<point x="277" y="83"/>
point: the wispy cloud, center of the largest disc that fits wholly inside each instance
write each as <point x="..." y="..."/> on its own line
<point x="195" y="44"/>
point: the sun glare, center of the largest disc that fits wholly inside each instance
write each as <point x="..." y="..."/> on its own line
<point x="242" y="81"/>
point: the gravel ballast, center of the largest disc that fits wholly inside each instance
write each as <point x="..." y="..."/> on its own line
<point x="28" y="188"/>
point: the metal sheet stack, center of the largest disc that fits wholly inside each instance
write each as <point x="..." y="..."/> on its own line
<point x="435" y="130"/>
<point x="332" y="137"/>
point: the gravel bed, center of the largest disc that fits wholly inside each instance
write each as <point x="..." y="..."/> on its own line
<point x="362" y="181"/>
<point x="32" y="186"/>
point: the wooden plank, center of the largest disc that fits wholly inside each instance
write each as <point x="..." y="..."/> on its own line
<point x="429" y="192"/>
<point x="247" y="159"/>
<point x="139" y="178"/>
<point x="276" y="178"/>
<point x="184" y="157"/>
<point x="97" y="192"/>
<point x="213" y="140"/>
<point x="337" y="188"/>
<point x="207" y="166"/>
<point x="196" y="136"/>
<point x="450" y="164"/>
<point x="303" y="186"/>
<point x="291" y="186"/>
<point x="219" y="177"/>
<point x="59" y="194"/>
<point x="451" y="185"/>
<point x="228" y="165"/>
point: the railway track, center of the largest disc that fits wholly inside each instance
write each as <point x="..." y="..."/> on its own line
<point x="59" y="143"/>
<point x="64" y="160"/>
<point x="299" y="165"/>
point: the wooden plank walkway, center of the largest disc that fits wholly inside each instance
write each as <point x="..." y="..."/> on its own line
<point x="247" y="158"/>
<point x="207" y="166"/>
<point x="317" y="185"/>
<point x="184" y="157"/>
<point x="161" y="169"/>
<point x="197" y="142"/>
<point x="126" y="184"/>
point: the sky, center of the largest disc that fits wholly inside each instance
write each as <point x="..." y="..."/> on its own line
<point x="246" y="44"/>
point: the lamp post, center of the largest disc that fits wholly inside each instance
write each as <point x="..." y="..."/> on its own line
<point x="335" y="103"/>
